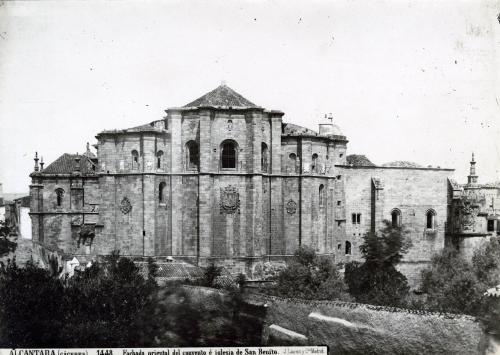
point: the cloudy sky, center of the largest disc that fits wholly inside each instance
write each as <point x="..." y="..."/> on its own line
<point x="405" y="80"/>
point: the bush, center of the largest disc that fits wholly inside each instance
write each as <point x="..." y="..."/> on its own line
<point x="310" y="277"/>
<point x="451" y="284"/>
<point x="111" y="304"/>
<point x="376" y="280"/>
<point x="456" y="285"/>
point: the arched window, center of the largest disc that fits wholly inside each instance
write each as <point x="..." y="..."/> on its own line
<point x="430" y="219"/>
<point x="314" y="163"/>
<point x="135" y="159"/>
<point x="347" y="248"/>
<point x="161" y="192"/>
<point x="192" y="157"/>
<point x="264" y="158"/>
<point x="229" y="154"/>
<point x="396" y="218"/>
<point x="321" y="195"/>
<point x="59" y="196"/>
<point x="293" y="162"/>
<point x="159" y="157"/>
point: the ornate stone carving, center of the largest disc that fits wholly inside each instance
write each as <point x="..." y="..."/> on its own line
<point x="468" y="217"/>
<point x="192" y="125"/>
<point x="229" y="200"/>
<point x="291" y="206"/>
<point x="125" y="205"/>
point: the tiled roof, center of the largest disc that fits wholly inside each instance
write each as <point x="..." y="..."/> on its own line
<point x="173" y="270"/>
<point x="66" y="163"/>
<point x="358" y="160"/>
<point x="293" y="129"/>
<point x="224" y="96"/>
<point x="148" y="127"/>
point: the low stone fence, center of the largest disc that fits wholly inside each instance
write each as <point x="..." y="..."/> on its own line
<point x="353" y="328"/>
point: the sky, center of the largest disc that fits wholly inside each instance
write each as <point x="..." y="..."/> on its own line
<point x="404" y="80"/>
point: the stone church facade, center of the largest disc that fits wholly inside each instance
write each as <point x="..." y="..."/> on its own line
<point x="222" y="180"/>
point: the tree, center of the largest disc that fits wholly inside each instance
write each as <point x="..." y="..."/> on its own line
<point x="6" y="245"/>
<point x="455" y="285"/>
<point x="30" y="300"/>
<point x="376" y="280"/>
<point x="310" y="277"/>
<point x="451" y="284"/>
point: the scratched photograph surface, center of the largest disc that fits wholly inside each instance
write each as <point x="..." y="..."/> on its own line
<point x="250" y="173"/>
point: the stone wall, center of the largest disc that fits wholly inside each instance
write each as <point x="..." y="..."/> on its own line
<point x="411" y="191"/>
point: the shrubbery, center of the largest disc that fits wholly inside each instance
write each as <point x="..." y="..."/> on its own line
<point x="376" y="280"/>
<point x="310" y="277"/>
<point x="111" y="304"/>
<point x="455" y="285"/>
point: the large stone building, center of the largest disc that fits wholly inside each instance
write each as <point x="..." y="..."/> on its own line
<point x="223" y="180"/>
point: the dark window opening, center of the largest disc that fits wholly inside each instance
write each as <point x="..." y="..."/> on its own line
<point x="159" y="157"/>
<point x="321" y="195"/>
<point x="356" y="218"/>
<point x="135" y="159"/>
<point x="314" y="163"/>
<point x="430" y="219"/>
<point x="339" y="203"/>
<point x="347" y="248"/>
<point x="264" y="158"/>
<point x="491" y="225"/>
<point x="229" y="155"/>
<point x="193" y="155"/>
<point x="161" y="192"/>
<point x="59" y="196"/>
<point x="396" y="218"/>
<point x="293" y="162"/>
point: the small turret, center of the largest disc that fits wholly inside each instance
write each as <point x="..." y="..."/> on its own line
<point x="472" y="178"/>
<point x="77" y="165"/>
<point x="327" y="128"/>
<point x="36" y="161"/>
<point x="41" y="164"/>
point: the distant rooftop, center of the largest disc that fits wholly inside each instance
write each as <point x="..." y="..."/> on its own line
<point x="402" y="164"/>
<point x="223" y="96"/>
<point x="358" y="160"/>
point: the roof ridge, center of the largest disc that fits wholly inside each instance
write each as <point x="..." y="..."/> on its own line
<point x="222" y="95"/>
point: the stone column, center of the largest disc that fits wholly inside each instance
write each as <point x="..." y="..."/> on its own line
<point x="176" y="159"/>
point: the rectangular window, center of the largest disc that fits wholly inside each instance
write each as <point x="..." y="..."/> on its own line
<point x="353" y="218"/>
<point x="356" y="218"/>
<point x="491" y="225"/>
<point x="339" y="203"/>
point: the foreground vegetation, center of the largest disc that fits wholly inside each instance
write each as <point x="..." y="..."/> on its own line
<point x="111" y="304"/>
<point x="450" y="284"/>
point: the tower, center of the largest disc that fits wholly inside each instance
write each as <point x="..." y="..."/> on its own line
<point x="472" y="178"/>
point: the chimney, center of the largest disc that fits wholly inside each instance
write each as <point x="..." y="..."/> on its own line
<point x="41" y="164"/>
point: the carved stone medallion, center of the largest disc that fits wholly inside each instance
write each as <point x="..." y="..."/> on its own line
<point x="229" y="200"/>
<point x="291" y="207"/>
<point x="468" y="217"/>
<point x="192" y="125"/>
<point x="125" y="205"/>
